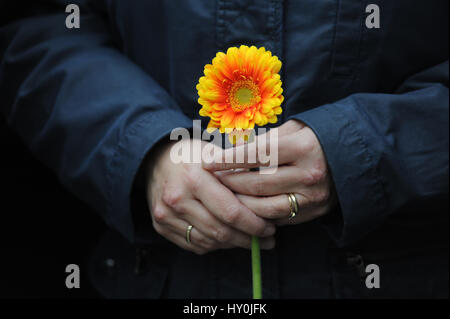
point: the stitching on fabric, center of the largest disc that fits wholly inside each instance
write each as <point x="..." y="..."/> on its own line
<point x="378" y="196"/>
<point x="381" y="193"/>
<point x="113" y="163"/>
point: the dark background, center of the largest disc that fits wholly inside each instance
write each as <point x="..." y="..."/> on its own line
<point x="43" y="228"/>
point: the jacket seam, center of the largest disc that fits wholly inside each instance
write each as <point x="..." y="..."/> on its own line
<point x="113" y="163"/>
<point x="369" y="159"/>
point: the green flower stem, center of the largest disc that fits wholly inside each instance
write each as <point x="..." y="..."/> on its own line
<point x="256" y="269"/>
<point x="256" y="253"/>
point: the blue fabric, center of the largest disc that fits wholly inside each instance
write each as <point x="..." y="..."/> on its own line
<point x="385" y="150"/>
<point x="84" y="109"/>
<point x="92" y="102"/>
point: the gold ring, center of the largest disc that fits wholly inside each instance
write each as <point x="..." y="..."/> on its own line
<point x="293" y="205"/>
<point x="188" y="233"/>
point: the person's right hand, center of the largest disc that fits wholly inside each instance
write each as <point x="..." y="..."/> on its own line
<point x="185" y="194"/>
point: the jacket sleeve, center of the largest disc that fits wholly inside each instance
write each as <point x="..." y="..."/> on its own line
<point x="385" y="150"/>
<point x="82" y="107"/>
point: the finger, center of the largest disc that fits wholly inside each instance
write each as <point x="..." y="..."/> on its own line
<point x="267" y="149"/>
<point x="254" y="183"/>
<point x="267" y="243"/>
<point x="209" y="225"/>
<point x="274" y="207"/>
<point x="304" y="215"/>
<point x="179" y="226"/>
<point x="181" y="242"/>
<point x="178" y="240"/>
<point x="202" y="238"/>
<point x="196" y="237"/>
<point x="223" y="204"/>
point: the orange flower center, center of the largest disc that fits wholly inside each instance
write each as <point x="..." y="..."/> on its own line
<point x="243" y="94"/>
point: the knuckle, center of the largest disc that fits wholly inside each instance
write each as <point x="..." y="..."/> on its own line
<point x="308" y="179"/>
<point x="307" y="146"/>
<point x="258" y="187"/>
<point x="299" y="175"/>
<point x="320" y="196"/>
<point x="159" y="214"/>
<point x="315" y="176"/>
<point x="222" y="235"/>
<point x="172" y="196"/>
<point x="303" y="146"/>
<point x="321" y="168"/>
<point x="192" y="177"/>
<point x="231" y="215"/>
<point x="319" y="173"/>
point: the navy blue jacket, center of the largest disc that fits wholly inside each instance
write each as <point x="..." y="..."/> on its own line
<point x="92" y="102"/>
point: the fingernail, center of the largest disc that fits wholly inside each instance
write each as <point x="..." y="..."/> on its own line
<point x="269" y="231"/>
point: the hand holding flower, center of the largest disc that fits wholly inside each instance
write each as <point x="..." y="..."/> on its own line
<point x="302" y="171"/>
<point x="185" y="194"/>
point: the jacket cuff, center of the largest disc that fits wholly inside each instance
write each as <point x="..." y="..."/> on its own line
<point x="133" y="146"/>
<point x="353" y="169"/>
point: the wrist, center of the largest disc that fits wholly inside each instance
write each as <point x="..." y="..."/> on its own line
<point x="155" y="158"/>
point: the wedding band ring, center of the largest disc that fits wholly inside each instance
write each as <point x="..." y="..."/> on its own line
<point x="294" y="200"/>
<point x="293" y="205"/>
<point x="188" y="233"/>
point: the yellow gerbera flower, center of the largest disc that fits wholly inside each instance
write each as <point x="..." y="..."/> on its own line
<point x="240" y="89"/>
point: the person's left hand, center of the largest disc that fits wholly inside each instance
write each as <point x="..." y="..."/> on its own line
<point x="302" y="171"/>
